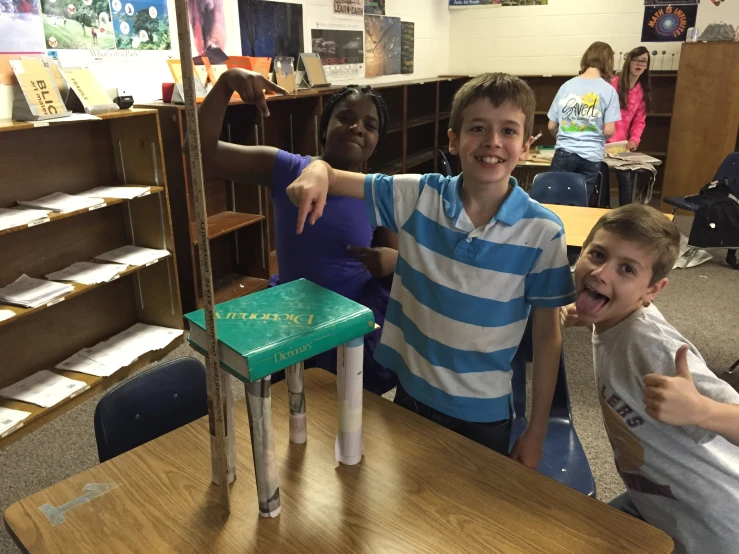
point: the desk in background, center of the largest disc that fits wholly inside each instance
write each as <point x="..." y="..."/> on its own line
<point x="419" y="488"/>
<point x="578" y="221"/>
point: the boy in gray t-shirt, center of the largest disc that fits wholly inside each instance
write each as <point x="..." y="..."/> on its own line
<point x="673" y="425"/>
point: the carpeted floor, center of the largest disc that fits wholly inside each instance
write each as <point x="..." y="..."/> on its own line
<point x="700" y="302"/>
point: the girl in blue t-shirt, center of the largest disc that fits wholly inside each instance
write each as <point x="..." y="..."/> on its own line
<point x="340" y="252"/>
<point x="583" y="116"/>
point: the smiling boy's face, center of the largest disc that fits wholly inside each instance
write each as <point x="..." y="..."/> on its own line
<point x="612" y="278"/>
<point x="490" y="142"/>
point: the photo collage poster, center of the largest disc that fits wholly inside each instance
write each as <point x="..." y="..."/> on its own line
<point x="29" y="26"/>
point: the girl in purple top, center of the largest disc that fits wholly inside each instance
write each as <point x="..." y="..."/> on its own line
<point x="340" y="252"/>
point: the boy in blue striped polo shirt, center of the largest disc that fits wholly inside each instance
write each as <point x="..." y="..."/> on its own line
<point x="475" y="255"/>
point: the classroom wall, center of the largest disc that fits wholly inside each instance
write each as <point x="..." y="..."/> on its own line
<point x="144" y="73"/>
<point x="549" y="40"/>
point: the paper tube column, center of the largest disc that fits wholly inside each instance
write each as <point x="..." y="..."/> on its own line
<point x="350" y="361"/>
<point x="218" y="404"/>
<point x="296" y="392"/>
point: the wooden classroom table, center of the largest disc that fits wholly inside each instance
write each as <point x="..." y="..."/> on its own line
<point x="419" y="488"/>
<point x="578" y="221"/>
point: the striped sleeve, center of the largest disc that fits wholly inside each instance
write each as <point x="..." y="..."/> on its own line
<point x="549" y="284"/>
<point x="390" y="201"/>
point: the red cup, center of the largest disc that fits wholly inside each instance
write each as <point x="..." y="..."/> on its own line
<point x="167" y="90"/>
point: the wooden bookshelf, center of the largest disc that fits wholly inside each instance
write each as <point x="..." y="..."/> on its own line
<point x="122" y="148"/>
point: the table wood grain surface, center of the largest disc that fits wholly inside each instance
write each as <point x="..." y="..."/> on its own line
<point x="578" y="221"/>
<point x="419" y="488"/>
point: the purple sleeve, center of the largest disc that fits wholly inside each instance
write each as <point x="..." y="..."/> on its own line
<point x="286" y="169"/>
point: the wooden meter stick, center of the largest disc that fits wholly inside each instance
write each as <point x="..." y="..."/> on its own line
<point x="216" y="404"/>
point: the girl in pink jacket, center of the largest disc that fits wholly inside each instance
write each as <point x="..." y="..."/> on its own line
<point x="634" y="90"/>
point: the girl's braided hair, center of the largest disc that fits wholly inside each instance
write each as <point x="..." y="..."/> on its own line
<point x="345" y="92"/>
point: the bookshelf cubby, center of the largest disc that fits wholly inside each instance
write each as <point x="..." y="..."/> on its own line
<point x="122" y="148"/>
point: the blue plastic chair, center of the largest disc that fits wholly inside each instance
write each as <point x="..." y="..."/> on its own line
<point x="149" y="405"/>
<point x="563" y="457"/>
<point x="560" y="187"/>
<point x="729" y="169"/>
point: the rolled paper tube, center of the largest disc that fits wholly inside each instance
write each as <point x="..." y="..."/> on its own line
<point x="296" y="392"/>
<point x="227" y="402"/>
<point x="259" y="406"/>
<point x="349" y="442"/>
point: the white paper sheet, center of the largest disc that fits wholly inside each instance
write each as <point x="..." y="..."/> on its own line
<point x="62" y="203"/>
<point x="125" y="347"/>
<point x="11" y="419"/>
<point x="77" y="362"/>
<point x="6" y="314"/>
<point x="30" y="293"/>
<point x="10" y="217"/>
<point x="133" y="255"/>
<point x="44" y="389"/>
<point x="116" y="192"/>
<point x="87" y="273"/>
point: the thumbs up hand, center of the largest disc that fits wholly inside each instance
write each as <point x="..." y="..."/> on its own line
<point x="675" y="400"/>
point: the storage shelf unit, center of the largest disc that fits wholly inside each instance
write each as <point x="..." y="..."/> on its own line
<point x="123" y="148"/>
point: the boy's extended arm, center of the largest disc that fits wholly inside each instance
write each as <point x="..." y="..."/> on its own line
<point x="547" y="342"/>
<point x="308" y="192"/>
<point x="676" y="401"/>
<point x="553" y="127"/>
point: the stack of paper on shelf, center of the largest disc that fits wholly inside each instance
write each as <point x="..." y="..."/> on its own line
<point x="44" y="389"/>
<point x="28" y="292"/>
<point x="62" y="203"/>
<point x="10" y="420"/>
<point x="10" y="217"/>
<point x="87" y="273"/>
<point x="107" y="357"/>
<point x="116" y="192"/>
<point x="133" y="255"/>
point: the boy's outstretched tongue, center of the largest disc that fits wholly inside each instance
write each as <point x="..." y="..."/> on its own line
<point x="589" y="303"/>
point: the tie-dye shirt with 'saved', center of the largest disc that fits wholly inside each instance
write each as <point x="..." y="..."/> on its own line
<point x="581" y="108"/>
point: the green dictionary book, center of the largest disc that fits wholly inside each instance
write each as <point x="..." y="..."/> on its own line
<point x="270" y="330"/>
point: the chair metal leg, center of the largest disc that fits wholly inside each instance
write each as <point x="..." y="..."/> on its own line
<point x="732" y="368"/>
<point x="731" y="258"/>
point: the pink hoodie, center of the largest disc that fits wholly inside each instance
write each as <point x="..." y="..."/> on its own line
<point x="633" y="117"/>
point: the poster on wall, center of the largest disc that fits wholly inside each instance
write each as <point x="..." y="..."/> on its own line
<point x="208" y="29"/>
<point x="667" y="23"/>
<point x="20" y="26"/>
<point x="349" y="7"/>
<point x="270" y="29"/>
<point x="473" y="3"/>
<point x="374" y="7"/>
<point x="407" y="32"/>
<point x="141" y="24"/>
<point x="381" y="45"/>
<point x="525" y="2"/>
<point x="341" y="52"/>
<point x="77" y="24"/>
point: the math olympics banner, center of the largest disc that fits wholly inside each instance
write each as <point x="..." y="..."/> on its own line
<point x="667" y="23"/>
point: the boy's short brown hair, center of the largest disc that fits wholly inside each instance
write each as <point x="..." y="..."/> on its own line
<point x="646" y="227"/>
<point x="498" y="88"/>
<point x="600" y="56"/>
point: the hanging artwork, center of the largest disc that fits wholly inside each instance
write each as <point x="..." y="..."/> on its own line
<point x="271" y="29"/>
<point x="141" y="24"/>
<point x="374" y="7"/>
<point x="341" y="52"/>
<point x="77" y="24"/>
<point x="208" y="28"/>
<point x="407" y="30"/>
<point x="667" y="23"/>
<point x="349" y="7"/>
<point x="20" y="26"/>
<point x="381" y="45"/>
